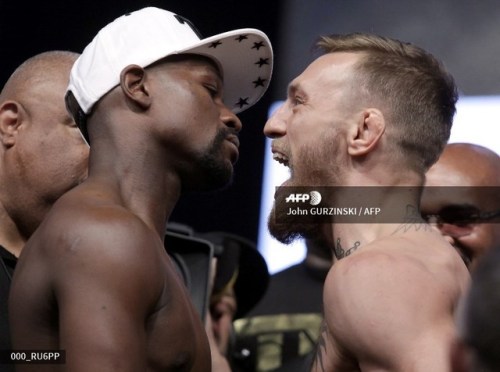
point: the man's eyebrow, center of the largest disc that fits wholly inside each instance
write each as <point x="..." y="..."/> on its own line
<point x="213" y="72"/>
<point x="292" y="88"/>
<point x="217" y="69"/>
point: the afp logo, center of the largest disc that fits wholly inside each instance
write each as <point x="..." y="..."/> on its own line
<point x="314" y="198"/>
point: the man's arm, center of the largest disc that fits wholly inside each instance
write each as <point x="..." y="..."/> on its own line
<point x="106" y="283"/>
<point x="385" y="313"/>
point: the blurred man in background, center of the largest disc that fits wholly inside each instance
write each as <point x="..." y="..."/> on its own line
<point x="462" y="199"/>
<point x="477" y="345"/>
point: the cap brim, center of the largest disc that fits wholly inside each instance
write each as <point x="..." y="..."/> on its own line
<point x="253" y="279"/>
<point x="246" y="59"/>
<point x="253" y="274"/>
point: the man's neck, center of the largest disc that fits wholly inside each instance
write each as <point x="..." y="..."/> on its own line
<point x="388" y="211"/>
<point x="10" y="237"/>
<point x="151" y="200"/>
<point x="136" y="176"/>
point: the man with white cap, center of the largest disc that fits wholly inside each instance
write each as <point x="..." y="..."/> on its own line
<point x="95" y="280"/>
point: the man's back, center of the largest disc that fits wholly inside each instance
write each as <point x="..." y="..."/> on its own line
<point x="107" y="277"/>
<point x="390" y="298"/>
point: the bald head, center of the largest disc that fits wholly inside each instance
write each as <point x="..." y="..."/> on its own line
<point x="468" y="177"/>
<point x="42" y="153"/>
<point x="465" y="164"/>
<point x="34" y="75"/>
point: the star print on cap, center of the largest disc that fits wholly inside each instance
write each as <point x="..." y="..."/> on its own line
<point x="245" y="56"/>
<point x="246" y="84"/>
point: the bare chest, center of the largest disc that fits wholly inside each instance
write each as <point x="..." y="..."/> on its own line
<point x="176" y="337"/>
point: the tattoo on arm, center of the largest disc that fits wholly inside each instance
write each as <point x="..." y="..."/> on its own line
<point x="321" y="348"/>
<point x="340" y="252"/>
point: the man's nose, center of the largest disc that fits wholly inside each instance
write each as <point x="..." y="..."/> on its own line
<point x="231" y="120"/>
<point x="276" y="125"/>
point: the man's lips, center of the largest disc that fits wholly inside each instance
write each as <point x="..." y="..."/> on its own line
<point x="234" y="140"/>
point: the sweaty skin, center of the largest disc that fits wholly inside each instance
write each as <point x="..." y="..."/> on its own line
<point x="95" y="279"/>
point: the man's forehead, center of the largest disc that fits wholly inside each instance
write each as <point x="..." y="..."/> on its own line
<point x="211" y="63"/>
<point x="448" y="183"/>
<point x="447" y="174"/>
<point x="328" y="69"/>
<point x="435" y="198"/>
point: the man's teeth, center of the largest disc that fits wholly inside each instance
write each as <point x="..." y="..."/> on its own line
<point x="280" y="158"/>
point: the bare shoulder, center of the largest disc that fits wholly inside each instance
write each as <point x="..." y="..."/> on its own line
<point x="97" y="282"/>
<point x="406" y="265"/>
<point x="90" y="236"/>
<point x="74" y="221"/>
<point x="401" y="291"/>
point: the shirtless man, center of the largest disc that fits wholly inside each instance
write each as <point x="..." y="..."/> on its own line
<point x="463" y="199"/>
<point x="95" y="280"/>
<point x="375" y="112"/>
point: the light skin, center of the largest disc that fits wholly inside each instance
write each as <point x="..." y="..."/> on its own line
<point x="119" y="300"/>
<point x="42" y="154"/>
<point x="473" y="167"/>
<point x="388" y="303"/>
<point x="222" y="315"/>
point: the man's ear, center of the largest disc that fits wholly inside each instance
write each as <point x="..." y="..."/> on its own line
<point x="11" y="117"/>
<point x="365" y="136"/>
<point x="134" y="86"/>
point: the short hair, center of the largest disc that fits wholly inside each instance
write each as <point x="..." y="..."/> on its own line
<point x="480" y="324"/>
<point x="419" y="95"/>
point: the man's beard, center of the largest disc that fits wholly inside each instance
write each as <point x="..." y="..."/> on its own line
<point x="309" y="169"/>
<point x="214" y="172"/>
<point x="287" y="228"/>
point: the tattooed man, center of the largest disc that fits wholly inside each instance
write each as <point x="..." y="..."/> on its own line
<point x="375" y="113"/>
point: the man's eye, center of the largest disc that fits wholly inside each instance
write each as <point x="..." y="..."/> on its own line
<point x="214" y="92"/>
<point x="297" y="100"/>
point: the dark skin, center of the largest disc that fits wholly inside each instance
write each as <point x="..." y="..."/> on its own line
<point x="470" y="168"/>
<point x="95" y="280"/>
<point x="39" y="145"/>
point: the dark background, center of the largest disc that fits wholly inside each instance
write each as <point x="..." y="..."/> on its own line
<point x="464" y="34"/>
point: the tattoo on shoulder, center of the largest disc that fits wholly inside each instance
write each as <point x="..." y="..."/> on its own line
<point x="341" y="252"/>
<point x="321" y="348"/>
<point x="412" y="221"/>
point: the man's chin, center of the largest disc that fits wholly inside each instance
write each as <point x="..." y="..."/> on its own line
<point x="287" y="230"/>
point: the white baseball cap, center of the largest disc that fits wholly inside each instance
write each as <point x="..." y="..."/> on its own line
<point x="143" y="37"/>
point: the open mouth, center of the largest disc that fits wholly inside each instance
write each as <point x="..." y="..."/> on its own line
<point x="280" y="158"/>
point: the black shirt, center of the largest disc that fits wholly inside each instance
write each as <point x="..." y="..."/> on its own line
<point x="7" y="264"/>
